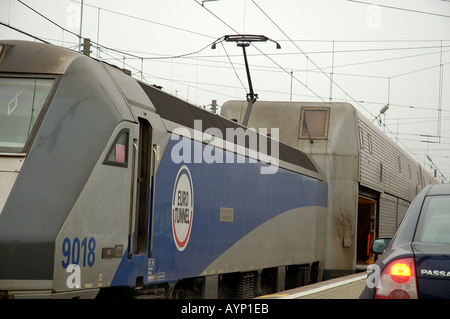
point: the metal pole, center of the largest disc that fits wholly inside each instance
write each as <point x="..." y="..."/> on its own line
<point x="441" y="77"/>
<point x="290" y="96"/>
<point x="251" y="97"/>
<point x="81" y="26"/>
<point x="142" y="68"/>
<point x="86" y="46"/>
<point x="98" y="33"/>
<point x="251" y="94"/>
<point x="248" y="111"/>
<point x="331" y="75"/>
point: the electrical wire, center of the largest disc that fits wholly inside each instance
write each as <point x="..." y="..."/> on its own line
<point x="293" y="77"/>
<point x="284" y="33"/>
<point x="235" y="72"/>
<point x="261" y="51"/>
<point x="146" y="20"/>
<point x="217" y="17"/>
<point x="49" y="20"/>
<point x="23" y="32"/>
<point x="104" y="51"/>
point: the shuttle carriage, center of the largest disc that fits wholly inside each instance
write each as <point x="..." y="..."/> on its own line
<point x="371" y="180"/>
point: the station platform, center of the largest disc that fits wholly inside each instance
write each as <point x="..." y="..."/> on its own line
<point x="346" y="287"/>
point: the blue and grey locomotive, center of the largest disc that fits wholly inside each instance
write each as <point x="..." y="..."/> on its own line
<point x="108" y="184"/>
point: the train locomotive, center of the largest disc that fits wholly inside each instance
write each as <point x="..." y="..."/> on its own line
<point x="112" y="187"/>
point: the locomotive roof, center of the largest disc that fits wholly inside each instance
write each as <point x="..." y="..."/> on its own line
<point x="18" y="56"/>
<point x="171" y="108"/>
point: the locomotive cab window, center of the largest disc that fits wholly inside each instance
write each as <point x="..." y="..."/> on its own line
<point x="118" y="153"/>
<point x="314" y="123"/>
<point x="21" y="103"/>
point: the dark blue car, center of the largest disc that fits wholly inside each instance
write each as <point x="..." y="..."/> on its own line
<point x="415" y="263"/>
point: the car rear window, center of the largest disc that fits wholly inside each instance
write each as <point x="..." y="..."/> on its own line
<point x="434" y="221"/>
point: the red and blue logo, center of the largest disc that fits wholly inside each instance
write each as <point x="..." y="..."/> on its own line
<point x="182" y="208"/>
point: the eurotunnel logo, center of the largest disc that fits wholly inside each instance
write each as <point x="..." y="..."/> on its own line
<point x="182" y="208"/>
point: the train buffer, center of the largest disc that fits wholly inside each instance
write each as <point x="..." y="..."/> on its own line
<point x="345" y="287"/>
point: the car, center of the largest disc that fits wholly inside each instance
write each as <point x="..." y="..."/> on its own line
<point x="415" y="263"/>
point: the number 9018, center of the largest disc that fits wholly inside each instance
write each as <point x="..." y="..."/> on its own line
<point x="78" y="249"/>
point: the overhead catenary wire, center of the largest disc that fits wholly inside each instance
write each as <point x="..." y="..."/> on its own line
<point x="231" y="63"/>
<point x="322" y="98"/>
<point x="146" y="20"/>
<point x="140" y="57"/>
<point x="309" y="59"/>
<point x="49" y="20"/>
<point x="105" y="49"/>
<point x="132" y="55"/>
<point x="288" y="72"/>
<point x="23" y="32"/>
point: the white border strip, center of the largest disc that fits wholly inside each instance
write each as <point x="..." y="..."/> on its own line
<point x="325" y="287"/>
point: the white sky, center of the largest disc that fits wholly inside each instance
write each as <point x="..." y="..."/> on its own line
<point x="384" y="52"/>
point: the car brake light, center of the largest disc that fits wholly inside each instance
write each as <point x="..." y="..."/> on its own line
<point x="400" y="272"/>
<point x="398" y="280"/>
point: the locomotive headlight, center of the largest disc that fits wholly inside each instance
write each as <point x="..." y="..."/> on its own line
<point x="1" y="51"/>
<point x="10" y="167"/>
<point x="7" y="180"/>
